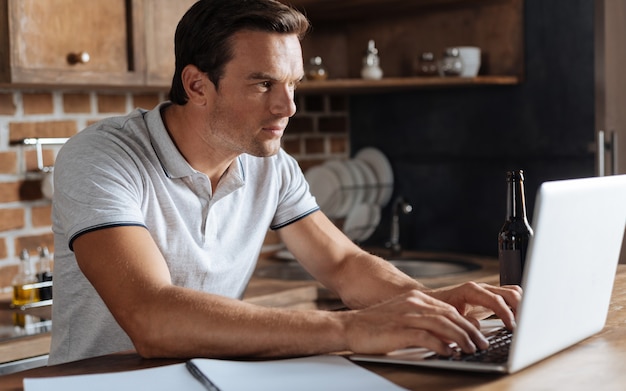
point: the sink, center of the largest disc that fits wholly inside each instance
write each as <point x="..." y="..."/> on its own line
<point x="416" y="267"/>
<point x="419" y="267"/>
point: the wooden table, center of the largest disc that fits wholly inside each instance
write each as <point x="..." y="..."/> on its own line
<point x="597" y="363"/>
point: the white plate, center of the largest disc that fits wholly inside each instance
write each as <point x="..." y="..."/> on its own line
<point x="325" y="187"/>
<point x="370" y="182"/>
<point x="361" y="222"/>
<point x="358" y="178"/>
<point x="383" y="171"/>
<point x="347" y="186"/>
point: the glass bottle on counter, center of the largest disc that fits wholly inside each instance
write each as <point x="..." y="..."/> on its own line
<point x="23" y="290"/>
<point x="515" y="233"/>
<point x="44" y="273"/>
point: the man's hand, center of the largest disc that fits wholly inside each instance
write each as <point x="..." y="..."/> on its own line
<point x="477" y="301"/>
<point x="410" y="320"/>
<point x="432" y="319"/>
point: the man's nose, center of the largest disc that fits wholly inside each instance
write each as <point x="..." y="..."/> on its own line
<point x="283" y="103"/>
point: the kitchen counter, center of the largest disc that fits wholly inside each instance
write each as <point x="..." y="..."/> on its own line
<point x="595" y="363"/>
<point x="18" y="343"/>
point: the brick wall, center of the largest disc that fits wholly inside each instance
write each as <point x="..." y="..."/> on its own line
<point x="319" y="131"/>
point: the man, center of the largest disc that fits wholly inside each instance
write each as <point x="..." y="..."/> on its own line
<point x="159" y="217"/>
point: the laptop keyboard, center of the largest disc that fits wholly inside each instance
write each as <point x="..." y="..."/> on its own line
<point x="496" y="353"/>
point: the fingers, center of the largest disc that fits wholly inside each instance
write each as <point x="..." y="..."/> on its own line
<point x="445" y="322"/>
<point x="411" y="320"/>
<point x="434" y="319"/>
<point x="470" y="296"/>
<point x="505" y="301"/>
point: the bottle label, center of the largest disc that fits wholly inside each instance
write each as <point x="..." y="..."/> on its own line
<point x="510" y="267"/>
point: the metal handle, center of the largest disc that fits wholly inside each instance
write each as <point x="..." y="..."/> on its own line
<point x="38" y="142"/>
<point x="603" y="146"/>
<point x="78" y="58"/>
<point x="600" y="153"/>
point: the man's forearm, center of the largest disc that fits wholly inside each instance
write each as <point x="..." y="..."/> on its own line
<point x="186" y="323"/>
<point x="368" y="280"/>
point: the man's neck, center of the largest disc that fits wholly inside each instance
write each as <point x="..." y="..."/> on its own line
<point x="184" y="131"/>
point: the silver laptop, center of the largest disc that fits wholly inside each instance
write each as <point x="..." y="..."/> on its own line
<point x="568" y="279"/>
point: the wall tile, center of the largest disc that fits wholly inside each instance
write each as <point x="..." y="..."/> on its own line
<point x="300" y="124"/>
<point x="9" y="192"/>
<point x="314" y="103"/>
<point x="8" y="162"/>
<point x="7" y="273"/>
<point x="74" y="103"/>
<point x="145" y="101"/>
<point x="111" y="103"/>
<point x="11" y="219"/>
<point x="37" y="103"/>
<point x="292" y="146"/>
<point x="333" y="124"/>
<point x="339" y="145"/>
<point x="42" y="216"/>
<point x="314" y="145"/>
<point x="7" y="104"/>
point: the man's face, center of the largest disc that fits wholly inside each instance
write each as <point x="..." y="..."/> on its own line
<point x="254" y="101"/>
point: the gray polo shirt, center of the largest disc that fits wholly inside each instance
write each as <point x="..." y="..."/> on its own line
<point x="127" y="171"/>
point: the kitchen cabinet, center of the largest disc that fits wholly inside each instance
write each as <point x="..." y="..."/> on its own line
<point x="70" y="42"/>
<point x="161" y="18"/>
<point x="99" y="43"/>
<point x="403" y="29"/>
<point x="130" y="42"/>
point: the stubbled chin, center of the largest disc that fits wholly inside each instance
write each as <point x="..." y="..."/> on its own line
<point x="266" y="150"/>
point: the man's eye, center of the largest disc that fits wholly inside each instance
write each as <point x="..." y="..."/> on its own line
<point x="266" y="84"/>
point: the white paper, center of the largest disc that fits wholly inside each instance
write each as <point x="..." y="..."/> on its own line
<point x="316" y="373"/>
<point x="166" y="378"/>
<point x="301" y="374"/>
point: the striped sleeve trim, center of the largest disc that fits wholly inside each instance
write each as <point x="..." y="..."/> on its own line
<point x="293" y="220"/>
<point x="102" y="226"/>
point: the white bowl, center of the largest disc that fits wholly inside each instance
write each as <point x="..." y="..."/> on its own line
<point x="470" y="55"/>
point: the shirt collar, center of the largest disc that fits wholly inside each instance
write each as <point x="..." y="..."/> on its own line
<point x="172" y="161"/>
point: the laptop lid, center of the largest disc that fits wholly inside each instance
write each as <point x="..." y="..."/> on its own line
<point x="579" y="227"/>
<point x="568" y="279"/>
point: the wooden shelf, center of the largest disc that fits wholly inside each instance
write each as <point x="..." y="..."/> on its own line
<point x="320" y="11"/>
<point x="356" y="86"/>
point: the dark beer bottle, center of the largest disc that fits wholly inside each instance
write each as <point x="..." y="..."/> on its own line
<point x="515" y="233"/>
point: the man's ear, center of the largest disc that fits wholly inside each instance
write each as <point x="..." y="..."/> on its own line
<point x="197" y="84"/>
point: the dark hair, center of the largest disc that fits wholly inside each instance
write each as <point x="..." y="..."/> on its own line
<point x="203" y="34"/>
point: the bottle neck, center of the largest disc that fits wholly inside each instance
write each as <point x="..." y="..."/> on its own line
<point x="516" y="201"/>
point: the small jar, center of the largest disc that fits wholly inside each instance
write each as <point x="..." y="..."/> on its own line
<point x="426" y="65"/>
<point x="315" y="70"/>
<point x="451" y="63"/>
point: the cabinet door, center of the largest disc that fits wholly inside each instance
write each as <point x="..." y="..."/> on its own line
<point x="48" y="37"/>
<point x="161" y="19"/>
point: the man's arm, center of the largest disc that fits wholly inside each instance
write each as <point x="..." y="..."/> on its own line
<point x="363" y="280"/>
<point x="359" y="278"/>
<point x="129" y="273"/>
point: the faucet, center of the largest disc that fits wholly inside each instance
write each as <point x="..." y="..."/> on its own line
<point x="399" y="206"/>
